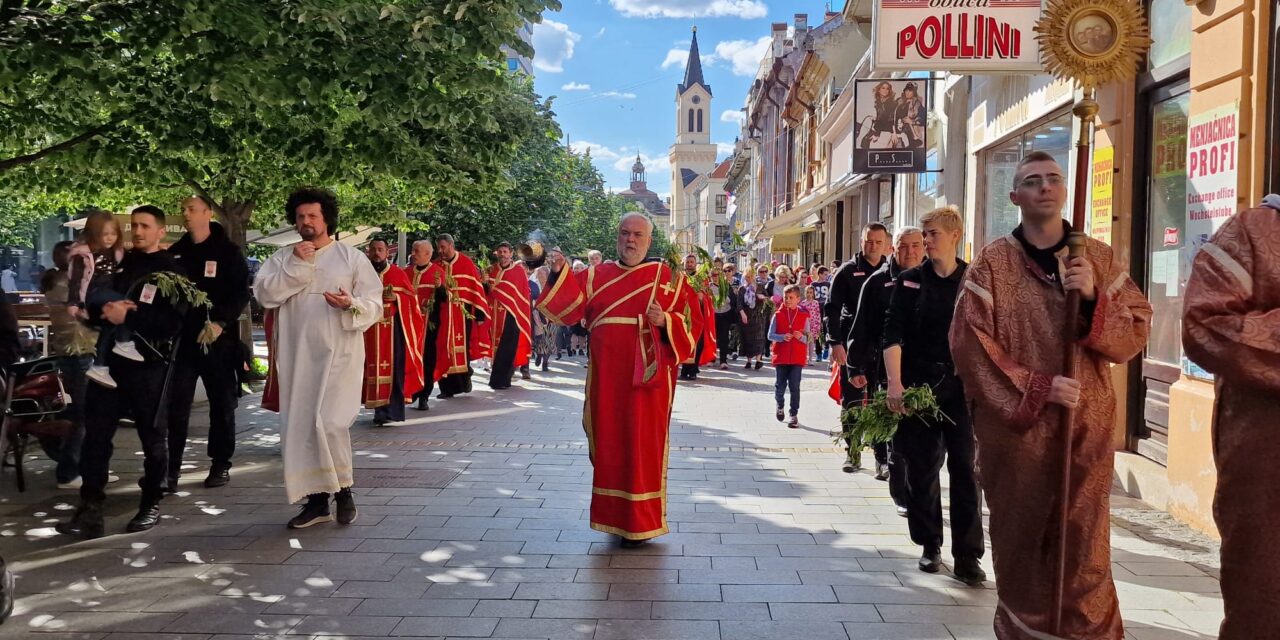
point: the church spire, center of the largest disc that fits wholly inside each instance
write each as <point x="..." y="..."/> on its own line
<point x="693" y="69"/>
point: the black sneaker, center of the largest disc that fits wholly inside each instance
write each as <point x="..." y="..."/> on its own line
<point x="780" y="415"/>
<point x="346" y="506"/>
<point x="148" y="516"/>
<point x="219" y="475"/>
<point x="316" y="511"/>
<point x="931" y="560"/>
<point x="882" y="472"/>
<point x="969" y="571"/>
<point x="86" y="523"/>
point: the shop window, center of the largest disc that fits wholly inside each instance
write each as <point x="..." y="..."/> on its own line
<point x="1170" y="31"/>
<point x="1166" y="222"/>
<point x="999" y="164"/>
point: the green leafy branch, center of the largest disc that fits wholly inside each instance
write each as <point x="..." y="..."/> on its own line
<point x="874" y="422"/>
<point x="177" y="288"/>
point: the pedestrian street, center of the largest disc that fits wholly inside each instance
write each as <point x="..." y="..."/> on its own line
<point x="473" y="523"/>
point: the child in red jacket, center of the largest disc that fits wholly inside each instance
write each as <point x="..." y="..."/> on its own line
<point x="789" y="330"/>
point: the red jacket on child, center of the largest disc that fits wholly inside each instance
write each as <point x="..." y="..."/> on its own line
<point x="792" y="351"/>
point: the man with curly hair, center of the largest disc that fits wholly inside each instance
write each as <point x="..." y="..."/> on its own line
<point x="322" y="295"/>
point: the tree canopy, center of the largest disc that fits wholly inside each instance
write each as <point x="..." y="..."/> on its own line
<point x="400" y="104"/>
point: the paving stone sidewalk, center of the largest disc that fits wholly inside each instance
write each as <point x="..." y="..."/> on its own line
<point x="473" y="524"/>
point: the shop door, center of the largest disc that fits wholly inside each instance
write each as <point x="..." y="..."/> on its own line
<point x="1165" y="210"/>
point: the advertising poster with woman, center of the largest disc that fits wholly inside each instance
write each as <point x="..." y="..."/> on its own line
<point x="891" y="126"/>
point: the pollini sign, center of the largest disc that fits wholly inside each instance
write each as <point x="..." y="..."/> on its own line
<point x="962" y="36"/>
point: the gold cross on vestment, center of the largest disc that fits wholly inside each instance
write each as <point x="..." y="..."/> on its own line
<point x="667" y="288"/>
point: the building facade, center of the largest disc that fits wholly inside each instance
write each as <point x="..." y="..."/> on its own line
<point x="795" y="197"/>
<point x="640" y="194"/>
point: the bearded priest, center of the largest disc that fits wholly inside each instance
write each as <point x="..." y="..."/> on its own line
<point x="465" y="305"/>
<point x="511" y="325"/>
<point x="392" y="356"/>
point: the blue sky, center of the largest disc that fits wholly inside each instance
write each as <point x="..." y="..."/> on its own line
<point x="613" y="66"/>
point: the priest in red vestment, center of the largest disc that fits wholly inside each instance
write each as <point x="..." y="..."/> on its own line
<point x="465" y="303"/>
<point x="635" y="311"/>
<point x="392" y="359"/>
<point x="701" y="309"/>
<point x="427" y="279"/>
<point x="511" y="320"/>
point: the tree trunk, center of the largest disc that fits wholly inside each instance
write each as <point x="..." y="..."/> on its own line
<point x="235" y="216"/>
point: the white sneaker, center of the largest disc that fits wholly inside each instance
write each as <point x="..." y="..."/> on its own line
<point x="126" y="349"/>
<point x="102" y="376"/>
<point x="111" y="477"/>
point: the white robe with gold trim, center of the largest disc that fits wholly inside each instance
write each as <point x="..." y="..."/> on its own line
<point x="319" y="357"/>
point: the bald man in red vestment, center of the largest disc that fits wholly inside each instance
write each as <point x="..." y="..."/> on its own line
<point x="639" y="335"/>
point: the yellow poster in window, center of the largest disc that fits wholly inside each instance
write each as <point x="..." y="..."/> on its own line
<point x="1102" y="209"/>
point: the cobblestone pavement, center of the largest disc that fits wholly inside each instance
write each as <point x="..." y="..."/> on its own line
<point x="473" y="524"/>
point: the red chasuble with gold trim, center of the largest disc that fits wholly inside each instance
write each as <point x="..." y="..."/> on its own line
<point x="509" y="299"/>
<point x="466" y="298"/>
<point x="630" y="385"/>
<point x="425" y="283"/>
<point x="398" y="300"/>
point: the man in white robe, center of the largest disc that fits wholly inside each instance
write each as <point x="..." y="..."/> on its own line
<point x="324" y="294"/>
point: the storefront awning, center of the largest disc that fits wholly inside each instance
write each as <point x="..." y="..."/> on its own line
<point x="784" y="244"/>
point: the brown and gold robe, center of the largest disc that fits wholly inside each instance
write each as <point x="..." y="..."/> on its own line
<point x="1231" y="327"/>
<point x="1007" y="344"/>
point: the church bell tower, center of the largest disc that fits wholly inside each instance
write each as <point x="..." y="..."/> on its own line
<point x="693" y="154"/>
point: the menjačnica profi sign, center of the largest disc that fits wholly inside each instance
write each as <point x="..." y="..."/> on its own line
<point x="971" y="36"/>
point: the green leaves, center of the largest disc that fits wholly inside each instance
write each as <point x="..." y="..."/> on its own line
<point x="247" y="99"/>
<point x="874" y="422"/>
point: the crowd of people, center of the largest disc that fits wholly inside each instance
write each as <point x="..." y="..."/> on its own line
<point x="905" y="313"/>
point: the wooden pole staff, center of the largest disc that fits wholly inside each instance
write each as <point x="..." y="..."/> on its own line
<point x="1086" y="110"/>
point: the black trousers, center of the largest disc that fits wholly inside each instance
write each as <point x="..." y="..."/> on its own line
<point x="455" y="383"/>
<point x="141" y="394"/>
<point x="218" y="371"/>
<point x="429" y="362"/>
<point x="924" y="444"/>
<point x="394" y="410"/>
<point x="692" y="370"/>
<point x="504" y="355"/>
<point x="724" y="327"/>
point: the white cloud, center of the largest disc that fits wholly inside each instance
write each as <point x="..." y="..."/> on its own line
<point x="576" y="86"/>
<point x="553" y="42"/>
<point x="676" y="58"/>
<point x="746" y="9"/>
<point x="724" y="148"/>
<point x="735" y="116"/>
<point x="653" y="165"/>
<point x="743" y="56"/>
<point x="617" y="94"/>
<point x="600" y="33"/>
<point x="598" y="151"/>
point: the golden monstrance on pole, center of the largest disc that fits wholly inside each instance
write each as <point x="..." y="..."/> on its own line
<point x="1093" y="42"/>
